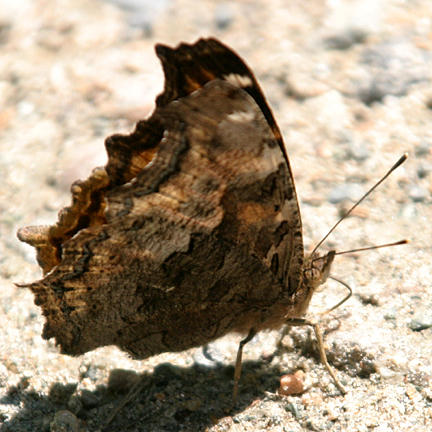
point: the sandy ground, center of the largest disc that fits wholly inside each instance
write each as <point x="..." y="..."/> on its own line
<point x="350" y="85"/>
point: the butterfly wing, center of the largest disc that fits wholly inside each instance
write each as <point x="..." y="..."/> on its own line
<point x="192" y="229"/>
<point x="187" y="68"/>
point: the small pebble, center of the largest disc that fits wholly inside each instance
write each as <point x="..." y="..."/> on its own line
<point x="346" y="191"/>
<point x="418" y="378"/>
<point x="64" y="421"/>
<point x="345" y="39"/>
<point x="390" y="315"/>
<point x="369" y="298"/>
<point x="418" y="193"/>
<point x="291" y="384"/>
<point x="358" y="150"/>
<point x="89" y="371"/>
<point x="209" y="356"/>
<point x="223" y="16"/>
<point x="424" y="169"/>
<point x="142" y="13"/>
<point x="412" y="393"/>
<point x="422" y="149"/>
<point x="294" y="410"/>
<point x="392" y="68"/>
<point x="420" y="322"/>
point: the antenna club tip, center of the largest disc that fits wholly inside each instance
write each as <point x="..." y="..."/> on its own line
<point x="401" y="160"/>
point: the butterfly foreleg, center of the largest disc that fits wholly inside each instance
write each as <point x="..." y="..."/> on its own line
<point x="318" y="334"/>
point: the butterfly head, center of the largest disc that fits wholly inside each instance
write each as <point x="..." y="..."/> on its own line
<point x="317" y="269"/>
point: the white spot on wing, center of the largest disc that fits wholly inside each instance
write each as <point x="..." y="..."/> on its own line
<point x="238" y="80"/>
<point x="241" y="116"/>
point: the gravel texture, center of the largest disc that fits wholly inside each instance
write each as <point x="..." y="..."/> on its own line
<point x="350" y="84"/>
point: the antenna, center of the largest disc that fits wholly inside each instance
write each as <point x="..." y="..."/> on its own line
<point x="400" y="242"/>
<point x="401" y="160"/>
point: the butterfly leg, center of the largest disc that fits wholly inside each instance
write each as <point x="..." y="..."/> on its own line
<point x="320" y="341"/>
<point x="238" y="365"/>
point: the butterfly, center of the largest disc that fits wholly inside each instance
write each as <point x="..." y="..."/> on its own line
<point x="191" y="231"/>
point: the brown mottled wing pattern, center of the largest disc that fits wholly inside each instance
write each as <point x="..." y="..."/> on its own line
<point x="192" y="229"/>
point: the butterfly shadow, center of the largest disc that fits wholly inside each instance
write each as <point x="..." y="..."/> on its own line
<point x="170" y="398"/>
